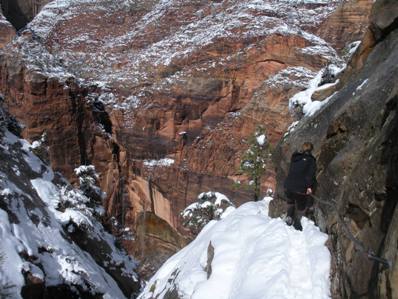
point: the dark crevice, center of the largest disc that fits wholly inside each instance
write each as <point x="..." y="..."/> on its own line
<point x="381" y="35"/>
<point x="14" y="14"/>
<point x="78" y="111"/>
<point x="101" y="116"/>
<point x="390" y="159"/>
<point x="116" y="152"/>
<point x="374" y="276"/>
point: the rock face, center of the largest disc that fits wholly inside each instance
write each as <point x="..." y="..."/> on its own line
<point x="355" y="140"/>
<point x="130" y="85"/>
<point x="7" y="32"/>
<point x="346" y="23"/>
<point x="53" y="242"/>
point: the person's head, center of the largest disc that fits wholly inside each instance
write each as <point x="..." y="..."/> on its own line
<point x="307" y="147"/>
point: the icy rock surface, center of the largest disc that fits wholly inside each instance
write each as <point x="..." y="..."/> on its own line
<point x="254" y="257"/>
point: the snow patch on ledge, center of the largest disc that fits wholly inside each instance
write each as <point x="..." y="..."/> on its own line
<point x="261" y="139"/>
<point x="254" y="257"/>
<point x="162" y="162"/>
<point x="303" y="98"/>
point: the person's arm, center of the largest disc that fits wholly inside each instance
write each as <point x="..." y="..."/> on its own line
<point x="310" y="177"/>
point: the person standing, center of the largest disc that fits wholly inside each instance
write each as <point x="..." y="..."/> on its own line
<point x="300" y="184"/>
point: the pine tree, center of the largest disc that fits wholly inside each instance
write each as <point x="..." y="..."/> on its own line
<point x="255" y="159"/>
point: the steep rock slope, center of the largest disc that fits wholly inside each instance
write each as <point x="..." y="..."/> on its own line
<point x="355" y="139"/>
<point x="125" y="84"/>
<point x="53" y="243"/>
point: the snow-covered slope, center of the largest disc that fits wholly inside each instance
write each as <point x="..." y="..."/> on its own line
<point x="247" y="255"/>
<point x="50" y="237"/>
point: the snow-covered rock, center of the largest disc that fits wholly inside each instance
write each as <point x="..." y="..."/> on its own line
<point x="247" y="255"/>
<point x="50" y="233"/>
<point x="210" y="206"/>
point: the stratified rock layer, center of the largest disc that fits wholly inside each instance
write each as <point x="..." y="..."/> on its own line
<point x="346" y="23"/>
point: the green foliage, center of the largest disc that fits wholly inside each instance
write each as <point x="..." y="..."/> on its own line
<point x="209" y="206"/>
<point x="255" y="160"/>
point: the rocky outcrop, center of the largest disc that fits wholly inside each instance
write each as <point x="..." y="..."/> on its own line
<point x="356" y="146"/>
<point x="7" y="32"/>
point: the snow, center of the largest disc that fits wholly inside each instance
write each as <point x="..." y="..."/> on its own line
<point x="291" y="77"/>
<point x="210" y="205"/>
<point x="362" y="84"/>
<point x="219" y="197"/>
<point x="86" y="170"/>
<point x="255" y="257"/>
<point x="117" y="58"/>
<point x="38" y="228"/>
<point x="261" y="139"/>
<point x="162" y="162"/>
<point x="303" y="98"/>
<point x="352" y="48"/>
<point x="291" y="128"/>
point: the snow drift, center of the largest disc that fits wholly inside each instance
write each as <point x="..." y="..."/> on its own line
<point x="247" y="255"/>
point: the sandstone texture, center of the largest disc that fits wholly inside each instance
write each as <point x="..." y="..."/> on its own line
<point x="130" y="86"/>
<point x="346" y="23"/>
<point x="355" y="139"/>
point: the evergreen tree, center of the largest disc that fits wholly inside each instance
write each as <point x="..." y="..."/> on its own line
<point x="255" y="159"/>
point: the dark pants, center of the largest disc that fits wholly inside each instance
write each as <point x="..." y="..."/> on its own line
<point x="296" y="207"/>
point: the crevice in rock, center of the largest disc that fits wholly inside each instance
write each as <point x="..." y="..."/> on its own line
<point x="101" y="116"/>
<point x="390" y="158"/>
<point x="373" y="281"/>
<point x="78" y="111"/>
<point x="272" y="60"/>
<point x="381" y="35"/>
<point x="14" y="14"/>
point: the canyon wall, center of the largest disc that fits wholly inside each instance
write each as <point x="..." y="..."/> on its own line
<point x="129" y="86"/>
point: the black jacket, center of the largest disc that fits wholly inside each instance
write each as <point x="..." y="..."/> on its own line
<point x="302" y="173"/>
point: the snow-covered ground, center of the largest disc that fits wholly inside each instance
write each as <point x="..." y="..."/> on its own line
<point x="255" y="257"/>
